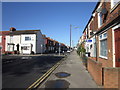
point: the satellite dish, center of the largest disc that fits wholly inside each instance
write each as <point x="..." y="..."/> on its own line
<point x="104" y="11"/>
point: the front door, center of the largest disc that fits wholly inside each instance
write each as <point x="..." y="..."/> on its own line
<point x="117" y="47"/>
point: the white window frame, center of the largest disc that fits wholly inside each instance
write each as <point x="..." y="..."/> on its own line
<point x="11" y="39"/>
<point x="0" y="39"/>
<point x="98" y="14"/>
<point x="113" y="3"/>
<point x="94" y="47"/>
<point x="100" y="39"/>
<point x="29" y="38"/>
<point x="99" y="19"/>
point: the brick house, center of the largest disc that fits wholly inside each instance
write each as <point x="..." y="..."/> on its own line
<point x="103" y="30"/>
<point x="3" y="40"/>
<point x="52" y="46"/>
<point x="49" y="43"/>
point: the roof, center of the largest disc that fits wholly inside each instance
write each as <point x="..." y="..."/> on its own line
<point x="88" y="23"/>
<point x="96" y="6"/>
<point x="4" y="32"/>
<point x="92" y="16"/>
<point x="23" y="32"/>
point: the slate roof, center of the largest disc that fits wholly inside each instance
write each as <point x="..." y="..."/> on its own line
<point x="19" y="32"/>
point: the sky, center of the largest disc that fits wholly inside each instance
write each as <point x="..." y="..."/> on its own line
<point x="52" y="18"/>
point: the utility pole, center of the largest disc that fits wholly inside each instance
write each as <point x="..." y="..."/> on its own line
<point x="70" y="35"/>
<point x="59" y="48"/>
<point x="72" y="43"/>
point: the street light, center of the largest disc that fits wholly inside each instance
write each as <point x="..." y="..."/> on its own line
<point x="59" y="48"/>
<point x="75" y="27"/>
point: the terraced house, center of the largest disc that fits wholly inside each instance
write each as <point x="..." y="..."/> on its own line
<point x="23" y="41"/>
<point x="102" y="43"/>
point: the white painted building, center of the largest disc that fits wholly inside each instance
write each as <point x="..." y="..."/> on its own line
<point x="25" y="41"/>
<point x="11" y="42"/>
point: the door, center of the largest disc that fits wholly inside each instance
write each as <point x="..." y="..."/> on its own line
<point x="117" y="47"/>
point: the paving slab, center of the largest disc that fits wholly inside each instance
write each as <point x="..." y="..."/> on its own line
<point x="78" y="76"/>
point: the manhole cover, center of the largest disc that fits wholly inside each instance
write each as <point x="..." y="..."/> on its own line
<point x="62" y="74"/>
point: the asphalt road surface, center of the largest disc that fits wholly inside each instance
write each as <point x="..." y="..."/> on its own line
<point x="22" y="71"/>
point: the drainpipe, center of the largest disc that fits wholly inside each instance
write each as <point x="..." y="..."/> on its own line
<point x="96" y="45"/>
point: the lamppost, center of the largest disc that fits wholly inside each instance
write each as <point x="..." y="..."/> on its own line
<point x="59" y="48"/>
<point x="71" y="34"/>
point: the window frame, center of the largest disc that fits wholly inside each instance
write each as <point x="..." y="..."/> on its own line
<point x="102" y="38"/>
<point x="0" y="39"/>
<point x="94" y="47"/>
<point x="100" y="19"/>
<point x="114" y="4"/>
<point x="27" y="39"/>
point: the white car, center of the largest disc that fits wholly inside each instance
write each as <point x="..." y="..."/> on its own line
<point x="68" y="51"/>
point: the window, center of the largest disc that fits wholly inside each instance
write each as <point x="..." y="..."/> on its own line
<point x="100" y="19"/>
<point x="0" y="39"/>
<point x="103" y="45"/>
<point x="94" y="47"/>
<point x="27" y="38"/>
<point x="114" y="3"/>
<point x="11" y="39"/>
<point x="10" y="47"/>
<point x="100" y="36"/>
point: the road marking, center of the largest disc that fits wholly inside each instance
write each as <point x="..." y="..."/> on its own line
<point x="44" y="76"/>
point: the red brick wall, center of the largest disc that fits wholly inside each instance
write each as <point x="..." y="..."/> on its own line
<point x="91" y="25"/>
<point x="96" y="22"/>
<point x="111" y="77"/>
<point x="95" y="69"/>
<point x="106" y="62"/>
<point x="3" y="44"/>
<point x="3" y="33"/>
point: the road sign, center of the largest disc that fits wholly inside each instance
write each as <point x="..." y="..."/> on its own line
<point x="88" y="40"/>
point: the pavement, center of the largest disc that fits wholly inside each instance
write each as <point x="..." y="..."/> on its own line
<point x="71" y="73"/>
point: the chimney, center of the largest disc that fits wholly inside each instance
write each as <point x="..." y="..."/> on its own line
<point x="12" y="29"/>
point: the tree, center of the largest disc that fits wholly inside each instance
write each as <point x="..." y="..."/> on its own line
<point x="81" y="50"/>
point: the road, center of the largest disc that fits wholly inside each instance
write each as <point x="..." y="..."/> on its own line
<point x="22" y="71"/>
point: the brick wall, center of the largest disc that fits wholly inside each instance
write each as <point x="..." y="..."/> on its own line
<point x="106" y="62"/>
<point x="95" y="69"/>
<point x="111" y="77"/>
<point x="95" y="22"/>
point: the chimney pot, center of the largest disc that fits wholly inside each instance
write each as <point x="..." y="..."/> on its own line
<point x="12" y="29"/>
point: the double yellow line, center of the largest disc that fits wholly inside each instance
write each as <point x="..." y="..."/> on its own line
<point x="44" y="76"/>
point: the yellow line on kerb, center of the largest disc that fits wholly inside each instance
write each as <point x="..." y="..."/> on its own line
<point x="44" y="76"/>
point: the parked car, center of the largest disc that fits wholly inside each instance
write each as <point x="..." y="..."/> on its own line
<point x="68" y="51"/>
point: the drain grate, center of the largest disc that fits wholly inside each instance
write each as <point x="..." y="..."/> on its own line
<point x="62" y="74"/>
